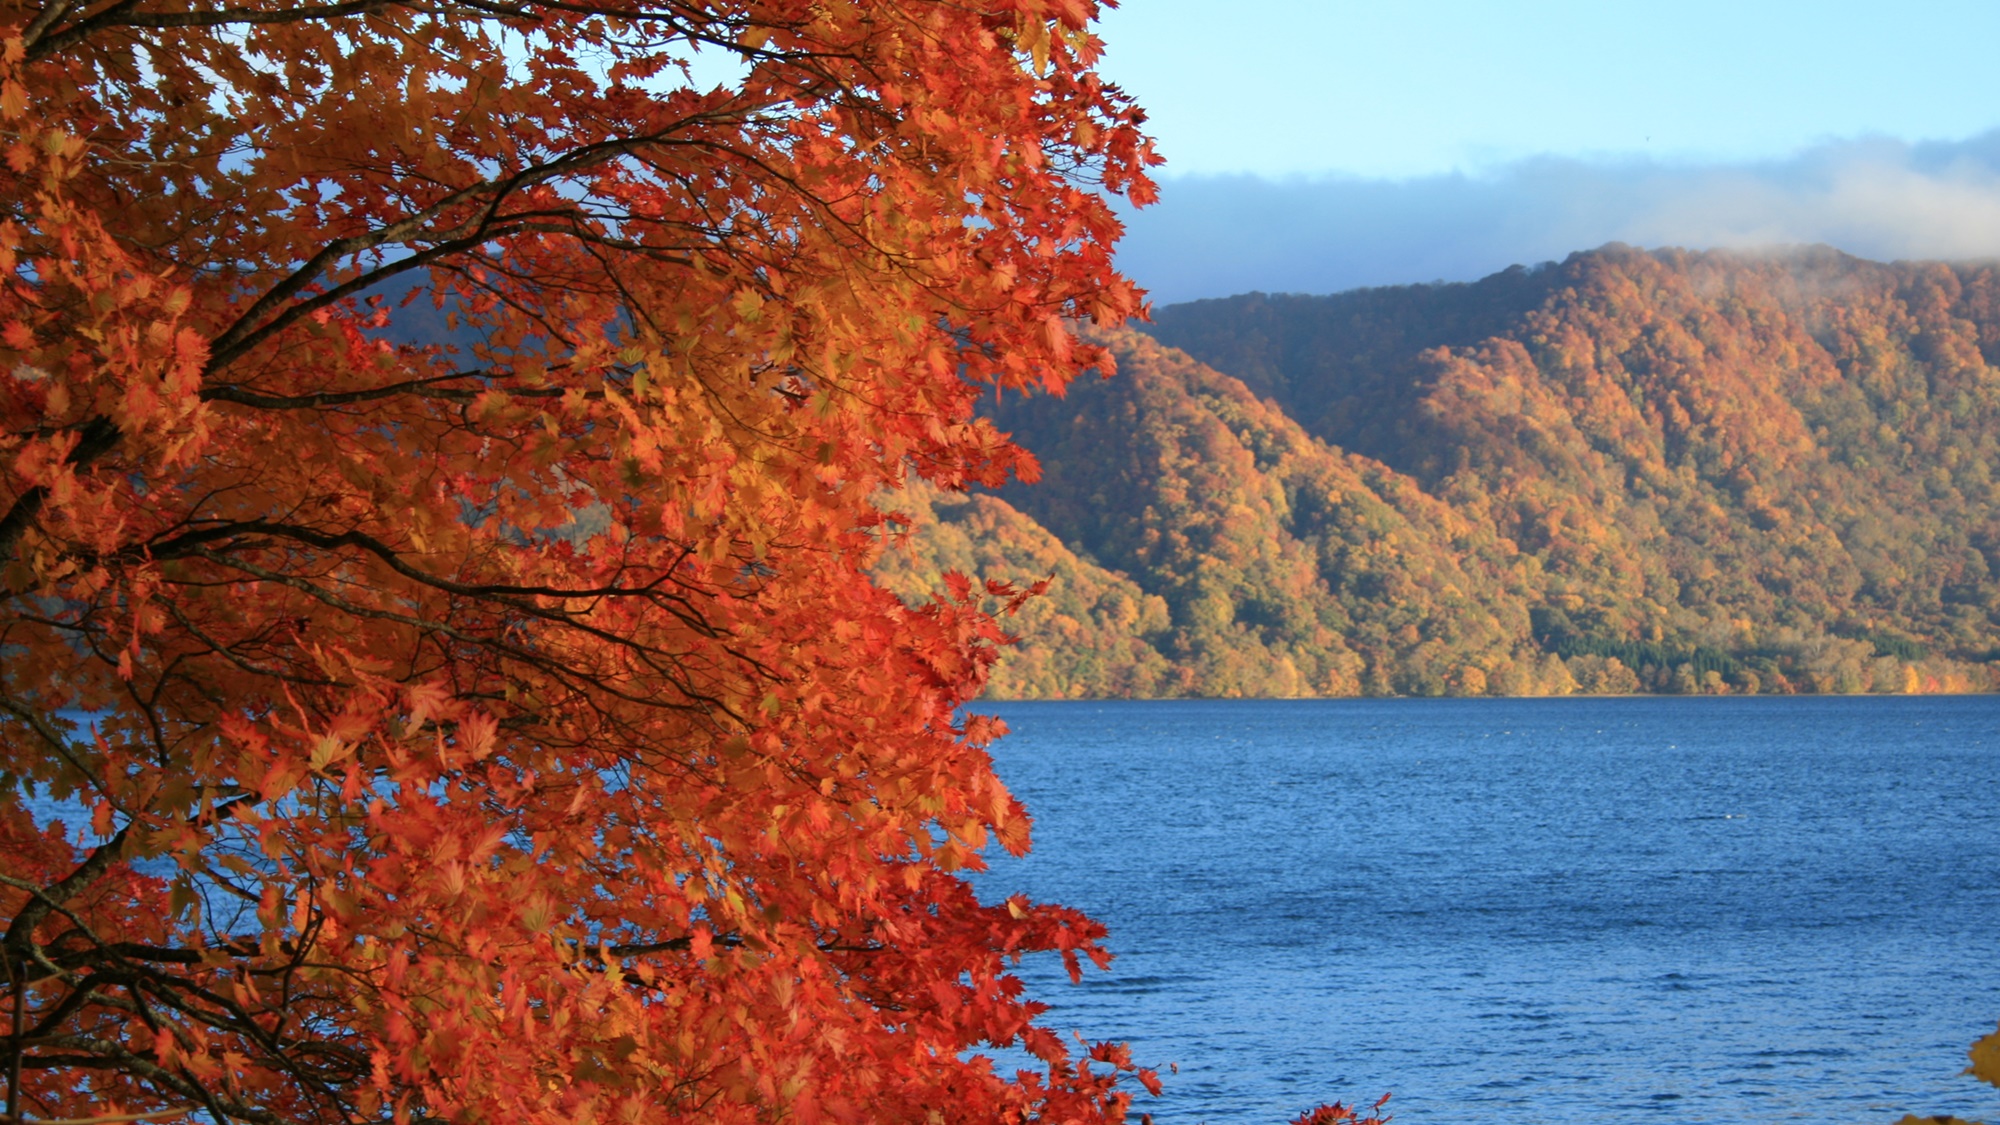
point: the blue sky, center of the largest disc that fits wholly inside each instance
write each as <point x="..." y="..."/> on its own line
<point x="1317" y="146"/>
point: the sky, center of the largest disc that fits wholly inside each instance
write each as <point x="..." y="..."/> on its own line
<point x="1314" y="146"/>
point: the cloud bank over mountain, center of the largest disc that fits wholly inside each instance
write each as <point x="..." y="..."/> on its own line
<point x="1212" y="236"/>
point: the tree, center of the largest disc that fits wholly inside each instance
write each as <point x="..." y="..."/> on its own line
<point x="1985" y="1056"/>
<point x="508" y="731"/>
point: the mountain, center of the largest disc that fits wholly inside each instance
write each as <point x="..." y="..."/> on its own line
<point x="1661" y="471"/>
<point x="1087" y="637"/>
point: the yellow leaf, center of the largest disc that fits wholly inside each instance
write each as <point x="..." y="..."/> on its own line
<point x="180" y="896"/>
<point x="1986" y="1059"/>
<point x="328" y="750"/>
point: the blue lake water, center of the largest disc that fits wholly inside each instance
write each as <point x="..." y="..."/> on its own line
<point x="1529" y="911"/>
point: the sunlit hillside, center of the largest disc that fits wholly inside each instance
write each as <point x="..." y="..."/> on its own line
<point x="1629" y="471"/>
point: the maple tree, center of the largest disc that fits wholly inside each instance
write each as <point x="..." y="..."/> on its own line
<point x="1339" y="1113"/>
<point x="508" y="730"/>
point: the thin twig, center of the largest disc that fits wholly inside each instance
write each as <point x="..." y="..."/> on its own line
<point x="107" y="1119"/>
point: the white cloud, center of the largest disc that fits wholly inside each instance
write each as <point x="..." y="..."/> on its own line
<point x="1213" y="236"/>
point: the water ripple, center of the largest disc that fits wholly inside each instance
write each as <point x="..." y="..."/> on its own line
<point x="1542" y="911"/>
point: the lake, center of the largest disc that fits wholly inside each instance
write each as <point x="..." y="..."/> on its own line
<point x="1532" y="911"/>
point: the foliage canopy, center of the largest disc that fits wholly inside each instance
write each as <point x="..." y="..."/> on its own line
<point x="509" y="731"/>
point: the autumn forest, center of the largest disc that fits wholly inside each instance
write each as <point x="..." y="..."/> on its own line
<point x="1625" y="472"/>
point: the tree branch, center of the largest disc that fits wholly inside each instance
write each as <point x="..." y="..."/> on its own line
<point x="426" y="388"/>
<point x="46" y="900"/>
<point x="181" y="545"/>
<point x="95" y="439"/>
<point x="107" y="1119"/>
<point x="44" y="43"/>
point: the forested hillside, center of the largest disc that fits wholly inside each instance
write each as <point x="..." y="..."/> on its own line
<point x="1629" y="471"/>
